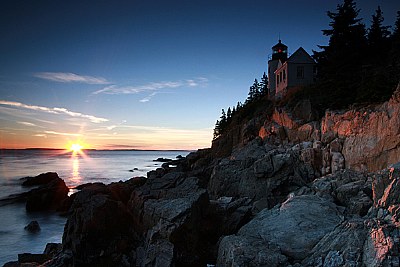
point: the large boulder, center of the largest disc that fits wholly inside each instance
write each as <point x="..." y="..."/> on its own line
<point x="290" y="230"/>
<point x="40" y="179"/>
<point x="48" y="196"/>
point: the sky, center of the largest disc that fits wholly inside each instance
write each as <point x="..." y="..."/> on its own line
<point x="142" y="74"/>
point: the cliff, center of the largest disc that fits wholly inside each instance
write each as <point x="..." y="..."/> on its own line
<point x="280" y="188"/>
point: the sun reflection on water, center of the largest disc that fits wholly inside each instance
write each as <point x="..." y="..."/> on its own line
<point x="76" y="176"/>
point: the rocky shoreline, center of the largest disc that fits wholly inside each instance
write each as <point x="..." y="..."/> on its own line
<point x="283" y="190"/>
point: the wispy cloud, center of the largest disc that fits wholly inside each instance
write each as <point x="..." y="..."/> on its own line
<point x="67" y="77"/>
<point x="55" y="110"/>
<point x="27" y="123"/>
<point x="60" y="133"/>
<point x="148" y="98"/>
<point x="153" y="86"/>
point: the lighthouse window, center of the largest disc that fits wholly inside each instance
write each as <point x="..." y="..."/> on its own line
<point x="300" y="72"/>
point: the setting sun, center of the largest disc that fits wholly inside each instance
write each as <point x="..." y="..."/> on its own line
<point x="75" y="148"/>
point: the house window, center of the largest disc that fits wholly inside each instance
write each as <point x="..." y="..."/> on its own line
<point x="300" y="72"/>
<point x="277" y="79"/>
<point x="284" y="74"/>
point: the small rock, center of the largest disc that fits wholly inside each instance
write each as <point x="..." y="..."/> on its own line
<point x="163" y="160"/>
<point x="33" y="227"/>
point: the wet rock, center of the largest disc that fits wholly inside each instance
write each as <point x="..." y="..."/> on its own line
<point x="33" y="227"/>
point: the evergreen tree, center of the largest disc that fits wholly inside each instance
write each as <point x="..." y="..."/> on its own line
<point x="233" y="111"/>
<point x="229" y="114"/>
<point x="223" y="122"/>
<point x="257" y="89"/>
<point x="216" y="130"/>
<point x="264" y="85"/>
<point x="339" y="63"/>
<point x="380" y="74"/>
<point x="238" y="106"/>
<point x="251" y="94"/>
<point x="378" y="39"/>
<point x="395" y="40"/>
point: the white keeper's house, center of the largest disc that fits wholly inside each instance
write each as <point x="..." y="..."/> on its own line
<point x="285" y="74"/>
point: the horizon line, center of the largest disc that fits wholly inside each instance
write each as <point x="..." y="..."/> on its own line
<point x="102" y="149"/>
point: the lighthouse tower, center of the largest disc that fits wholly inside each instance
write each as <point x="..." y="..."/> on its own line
<point x="279" y="54"/>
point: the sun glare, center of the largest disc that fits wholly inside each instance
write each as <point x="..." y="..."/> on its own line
<point x="76" y="148"/>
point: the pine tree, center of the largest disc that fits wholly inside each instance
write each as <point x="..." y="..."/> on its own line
<point x="238" y="106"/>
<point x="379" y="72"/>
<point x="395" y="40"/>
<point x="339" y="63"/>
<point x="229" y="114"/>
<point x="264" y="85"/>
<point x="378" y="39"/>
<point x="251" y="94"/>
<point x="233" y="111"/>
<point x="217" y="129"/>
<point x="223" y="122"/>
<point x="257" y="87"/>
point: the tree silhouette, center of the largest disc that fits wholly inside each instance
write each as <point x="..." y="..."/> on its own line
<point x="395" y="39"/>
<point x="217" y="130"/>
<point x="264" y="85"/>
<point x="229" y="114"/>
<point x="378" y="39"/>
<point x="340" y="63"/>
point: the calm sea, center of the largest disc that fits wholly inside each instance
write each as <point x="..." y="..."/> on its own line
<point x="93" y="166"/>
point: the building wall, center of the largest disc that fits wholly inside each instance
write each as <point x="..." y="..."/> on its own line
<point x="295" y="79"/>
<point x="281" y="79"/>
<point x="272" y="65"/>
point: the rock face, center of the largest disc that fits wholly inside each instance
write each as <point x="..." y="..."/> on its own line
<point x="167" y="210"/>
<point x="289" y="231"/>
<point x="370" y="135"/>
<point x="260" y="172"/>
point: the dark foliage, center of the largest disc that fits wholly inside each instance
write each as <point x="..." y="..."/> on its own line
<point x="356" y="66"/>
<point x="257" y="92"/>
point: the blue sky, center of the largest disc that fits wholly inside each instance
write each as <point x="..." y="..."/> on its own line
<point x="141" y="74"/>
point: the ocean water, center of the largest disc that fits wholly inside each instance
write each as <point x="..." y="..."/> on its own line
<point x="94" y="166"/>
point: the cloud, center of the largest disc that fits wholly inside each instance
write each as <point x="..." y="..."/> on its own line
<point x="153" y="86"/>
<point x="67" y="77"/>
<point x="147" y="98"/>
<point x="59" y="133"/>
<point x="53" y="111"/>
<point x="27" y="123"/>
